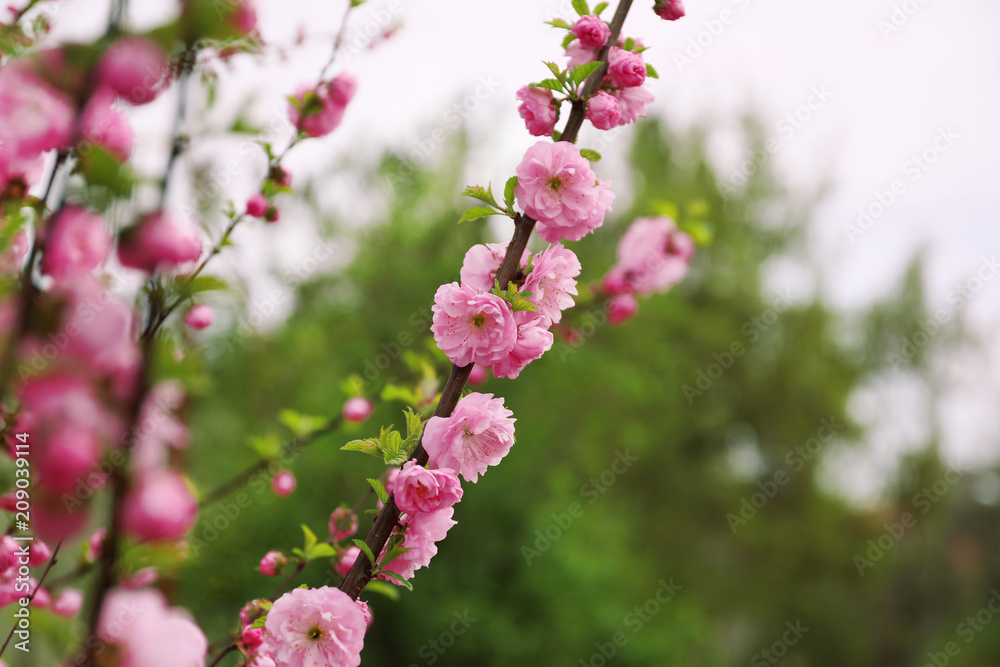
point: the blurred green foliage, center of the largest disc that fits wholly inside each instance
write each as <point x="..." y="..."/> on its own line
<point x="618" y="393"/>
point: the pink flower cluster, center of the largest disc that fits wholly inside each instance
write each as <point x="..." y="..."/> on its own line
<point x="330" y="100"/>
<point x="653" y="256"/>
<point x="145" y="632"/>
<point x="14" y="585"/>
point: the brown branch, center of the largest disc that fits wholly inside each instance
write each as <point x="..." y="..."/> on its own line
<point x="52" y="561"/>
<point x="361" y="572"/>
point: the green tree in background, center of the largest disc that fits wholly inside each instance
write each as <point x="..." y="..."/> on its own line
<point x="665" y="501"/>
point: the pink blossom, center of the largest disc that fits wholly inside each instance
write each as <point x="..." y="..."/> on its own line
<point x="68" y="603"/>
<point x="669" y="10"/>
<point x="252" y="638"/>
<point x="244" y="16"/>
<point x="478" y="374"/>
<point x="552" y="282"/>
<point x="134" y="68"/>
<point x="366" y="611"/>
<point x="257" y="205"/>
<point x="331" y="100"/>
<point x="653" y="256"/>
<point x="418" y="489"/>
<point x="145" y="632"/>
<point x="283" y="483"/>
<point x="94" y="545"/>
<point x="41" y="598"/>
<point x="12" y="259"/>
<point x="159" y="507"/>
<point x="533" y="340"/>
<point x="422" y="532"/>
<point x="161" y="430"/>
<point x="603" y="111"/>
<point x="538" y="110"/>
<point x="198" y="317"/>
<point x="39" y="553"/>
<point x="357" y="409"/>
<point x="556" y="187"/>
<point x="147" y="576"/>
<point x="105" y="126"/>
<point x="8" y="554"/>
<point x="8" y="503"/>
<point x="626" y="69"/>
<point x="471" y="326"/>
<point x="317" y="627"/>
<point x="343" y="524"/>
<point x="478" y="434"/>
<point x="271" y="214"/>
<point x="346" y="561"/>
<point x="621" y="308"/>
<point x="272" y="563"/>
<point x="482" y="262"/>
<point x="632" y="103"/>
<point x="592" y="31"/>
<point x="76" y="243"/>
<point x="34" y="117"/>
<point x="158" y="242"/>
<point x="578" y="55"/>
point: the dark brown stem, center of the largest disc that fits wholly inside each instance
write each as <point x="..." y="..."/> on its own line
<point x="361" y="572"/>
<point x="218" y="659"/>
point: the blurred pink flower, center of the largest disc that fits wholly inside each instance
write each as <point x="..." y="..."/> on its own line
<point x="159" y="507"/>
<point x="357" y="409"/>
<point x="343" y="524"/>
<point x="134" y="68"/>
<point x="148" y="633"/>
<point x="76" y="243"/>
<point x="198" y="317"/>
<point x="283" y="483"/>
<point x="105" y="126"/>
<point x="158" y="242"/>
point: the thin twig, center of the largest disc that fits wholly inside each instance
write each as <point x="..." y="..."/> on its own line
<point x="52" y="561"/>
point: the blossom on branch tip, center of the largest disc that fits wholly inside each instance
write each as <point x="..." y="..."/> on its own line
<point x="283" y="483"/>
<point x="319" y="111"/>
<point x="478" y="434"/>
<point x="472" y="326"/>
<point x="314" y="628"/>
<point x="669" y="10"/>
<point x="257" y="205"/>
<point x="556" y="187"/>
<point x="591" y="31"/>
<point x="272" y="563"/>
<point x="538" y="110"/>
<point x="357" y="409"/>
<point x="198" y="317"/>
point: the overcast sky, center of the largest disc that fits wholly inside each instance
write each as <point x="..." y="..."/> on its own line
<point x="885" y="100"/>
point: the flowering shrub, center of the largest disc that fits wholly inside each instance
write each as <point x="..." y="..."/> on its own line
<point x="96" y="411"/>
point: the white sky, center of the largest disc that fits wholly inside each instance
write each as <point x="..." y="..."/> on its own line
<point x="890" y="95"/>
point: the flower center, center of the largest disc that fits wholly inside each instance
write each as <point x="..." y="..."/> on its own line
<point x="315" y="633"/>
<point x="555" y="183"/>
<point x="478" y="320"/>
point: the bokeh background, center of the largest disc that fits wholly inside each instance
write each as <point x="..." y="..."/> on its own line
<point x="830" y="497"/>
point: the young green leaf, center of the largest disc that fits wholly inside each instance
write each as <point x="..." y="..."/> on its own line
<point x="379" y="489"/>
<point x="600" y="7"/>
<point x="593" y="156"/>
<point x="366" y="549"/>
<point x="366" y="446"/>
<point x="258" y="623"/>
<point x="508" y="192"/>
<point x="568" y="39"/>
<point x="651" y="72"/>
<point x="581" y="7"/>
<point x="477" y="212"/>
<point x="629" y="44"/>
<point x="321" y="550"/>
<point x="310" y="538"/>
<point x="480" y="193"/>
<point x="382" y="588"/>
<point x="399" y="578"/>
<point x="551" y="84"/>
<point x="580" y="73"/>
<point x="559" y="23"/>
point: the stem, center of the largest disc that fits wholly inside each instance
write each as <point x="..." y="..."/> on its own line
<point x="218" y="659"/>
<point x="338" y="41"/>
<point x="361" y="572"/>
<point x="52" y="561"/>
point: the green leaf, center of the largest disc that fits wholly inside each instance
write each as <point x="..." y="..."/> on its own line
<point x="698" y="208"/>
<point x="593" y="156"/>
<point x="364" y="547"/>
<point x="477" y="212"/>
<point x="379" y="489"/>
<point x="301" y="425"/>
<point x="551" y="84"/>
<point x="568" y="39"/>
<point x="206" y="284"/>
<point x="666" y="209"/>
<point x="651" y="72"/>
<point x="559" y="23"/>
<point x="702" y="231"/>
<point x="556" y="72"/>
<point x="395" y="392"/>
<point x="321" y="550"/>
<point x="508" y="192"/>
<point x="366" y="446"/>
<point x="483" y="195"/>
<point x="259" y="622"/>
<point x="629" y="44"/>
<point x="579" y="73"/>
<point x="310" y="538"/>
<point x="382" y="588"/>
<point x="600" y="7"/>
<point x="399" y="578"/>
<point x="581" y="7"/>
<point x="268" y="446"/>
